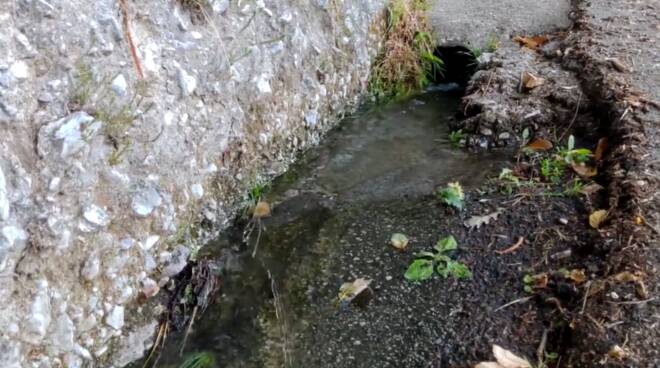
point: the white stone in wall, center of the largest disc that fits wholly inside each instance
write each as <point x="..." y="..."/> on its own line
<point x="145" y="201"/>
<point x="115" y="318"/>
<point x="38" y="320"/>
<point x="4" y="200"/>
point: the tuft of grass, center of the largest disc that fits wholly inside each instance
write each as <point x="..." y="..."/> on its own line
<point x="456" y="137"/>
<point x="492" y="43"/>
<point x="199" y="360"/>
<point x="407" y="63"/>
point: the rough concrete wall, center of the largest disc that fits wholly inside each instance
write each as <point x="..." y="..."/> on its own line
<point x="101" y="174"/>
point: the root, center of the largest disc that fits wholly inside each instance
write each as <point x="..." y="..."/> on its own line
<point x="123" y="5"/>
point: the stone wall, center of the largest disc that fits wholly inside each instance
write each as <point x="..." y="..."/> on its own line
<point x="103" y="173"/>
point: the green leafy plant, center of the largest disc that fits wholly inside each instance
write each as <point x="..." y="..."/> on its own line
<point x="452" y="195"/>
<point x="437" y="261"/>
<point x="574" y="188"/>
<point x="552" y="170"/>
<point x="492" y="43"/>
<point x="199" y="360"/>
<point x="456" y="137"/>
<point x="508" y="181"/>
<point x="572" y="155"/>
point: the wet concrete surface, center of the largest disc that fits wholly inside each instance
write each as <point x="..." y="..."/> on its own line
<point x="333" y="215"/>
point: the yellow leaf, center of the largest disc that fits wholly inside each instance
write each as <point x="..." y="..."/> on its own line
<point x="584" y="170"/>
<point x="626" y="276"/>
<point x="577" y="276"/>
<point x="399" y="241"/>
<point x="597" y="217"/>
<point x="262" y="209"/>
<point x="539" y="144"/>
<point x="533" y="42"/>
<point x="508" y="359"/>
<point x="616" y="352"/>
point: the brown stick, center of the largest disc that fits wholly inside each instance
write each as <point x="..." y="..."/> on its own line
<point x="123" y="5"/>
<point x="512" y="248"/>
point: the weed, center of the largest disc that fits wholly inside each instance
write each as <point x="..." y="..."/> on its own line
<point x="83" y="87"/>
<point x="199" y="360"/>
<point x="456" y="137"/>
<point x="574" y="188"/>
<point x="553" y="170"/>
<point x="492" y="43"/>
<point x="508" y="181"/>
<point x="438" y="261"/>
<point x="452" y="195"/>
<point x="572" y="155"/>
<point x="406" y="63"/>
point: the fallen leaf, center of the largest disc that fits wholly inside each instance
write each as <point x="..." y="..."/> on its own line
<point x="507" y="359"/>
<point x="600" y="149"/>
<point x="584" y="170"/>
<point x="626" y="276"/>
<point x="617" y="352"/>
<point x="578" y="276"/>
<point x="639" y="220"/>
<point x="262" y="209"/>
<point x="530" y="81"/>
<point x="640" y="288"/>
<point x="399" y="241"/>
<point x="539" y="144"/>
<point x="475" y="222"/>
<point x="618" y="65"/>
<point x="540" y="281"/>
<point x="591" y="188"/>
<point x="597" y="218"/>
<point x="512" y="248"/>
<point x="357" y="292"/>
<point x="533" y="42"/>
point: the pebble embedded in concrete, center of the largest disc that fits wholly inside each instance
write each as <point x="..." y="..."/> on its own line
<point x="145" y="201"/>
<point x="115" y="318"/>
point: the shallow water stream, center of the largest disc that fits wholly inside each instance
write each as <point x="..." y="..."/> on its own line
<point x="333" y="214"/>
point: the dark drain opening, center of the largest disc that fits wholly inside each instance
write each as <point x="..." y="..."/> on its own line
<point x="459" y="65"/>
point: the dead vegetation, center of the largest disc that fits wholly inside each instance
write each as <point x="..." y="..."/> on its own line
<point x="406" y="63"/>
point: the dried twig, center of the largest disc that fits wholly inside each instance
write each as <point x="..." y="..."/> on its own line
<point x="123" y="5"/>
<point x="512" y="248"/>
<point x="521" y="300"/>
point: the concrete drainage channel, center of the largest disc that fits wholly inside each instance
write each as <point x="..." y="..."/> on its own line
<point x="122" y="209"/>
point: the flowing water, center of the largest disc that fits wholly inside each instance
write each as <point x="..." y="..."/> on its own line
<point x="333" y="214"/>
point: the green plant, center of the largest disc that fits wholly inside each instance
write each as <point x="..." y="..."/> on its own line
<point x="202" y="359"/>
<point x="456" y="137"/>
<point x="574" y="188"/>
<point x="438" y="261"/>
<point x="572" y="155"/>
<point x="407" y="62"/>
<point x="492" y="43"/>
<point x="452" y="195"/>
<point x="552" y="170"/>
<point x="508" y="181"/>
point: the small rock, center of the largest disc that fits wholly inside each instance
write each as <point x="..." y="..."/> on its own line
<point x="504" y="136"/>
<point x="62" y="335"/>
<point x="38" y="319"/>
<point x="187" y="82"/>
<point x="115" y="318"/>
<point x="486" y="131"/>
<point x="220" y="6"/>
<point x="263" y="85"/>
<point x="119" y="85"/>
<point x="91" y="269"/>
<point x="96" y="216"/>
<point x="150" y="287"/>
<point x="20" y="70"/>
<point x="150" y="242"/>
<point x="4" y="200"/>
<point x="66" y="135"/>
<point x="563" y="221"/>
<point x="145" y="201"/>
<point x="197" y="191"/>
<point x="177" y="262"/>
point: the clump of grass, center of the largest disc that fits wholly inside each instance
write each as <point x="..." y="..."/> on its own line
<point x="197" y="9"/>
<point x="407" y="63"/>
<point x="199" y="360"/>
<point x="492" y="43"/>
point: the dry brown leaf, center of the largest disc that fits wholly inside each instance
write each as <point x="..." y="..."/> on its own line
<point x="533" y="42"/>
<point x="357" y="292"/>
<point x="617" y="352"/>
<point x="584" y="170"/>
<point x="539" y="144"/>
<point x="597" y="218"/>
<point x="262" y="209"/>
<point x="540" y="281"/>
<point x="507" y="359"/>
<point x="578" y="276"/>
<point x="600" y="149"/>
<point x="618" y="65"/>
<point x="475" y="222"/>
<point x="591" y="188"/>
<point x="626" y="276"/>
<point x="530" y="81"/>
